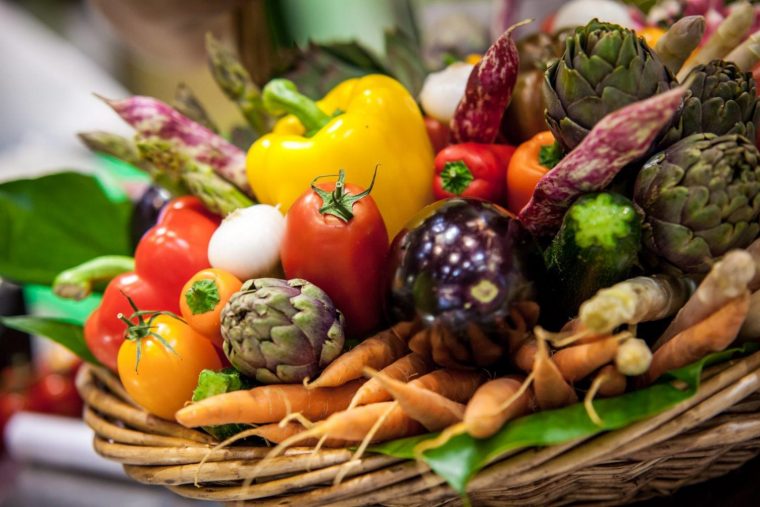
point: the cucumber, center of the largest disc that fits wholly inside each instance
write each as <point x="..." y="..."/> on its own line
<point x="597" y="246"/>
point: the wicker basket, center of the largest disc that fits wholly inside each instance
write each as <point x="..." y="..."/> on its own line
<point x="706" y="436"/>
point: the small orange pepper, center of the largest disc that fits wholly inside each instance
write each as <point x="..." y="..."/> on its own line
<point x="202" y="299"/>
<point x="524" y="170"/>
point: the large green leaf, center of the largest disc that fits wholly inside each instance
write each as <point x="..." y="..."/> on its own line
<point x="57" y="221"/>
<point x="459" y="459"/>
<point x="68" y="334"/>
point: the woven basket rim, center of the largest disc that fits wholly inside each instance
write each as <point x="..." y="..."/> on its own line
<point x="155" y="451"/>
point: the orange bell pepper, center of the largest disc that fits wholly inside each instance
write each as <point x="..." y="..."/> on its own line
<point x="526" y="168"/>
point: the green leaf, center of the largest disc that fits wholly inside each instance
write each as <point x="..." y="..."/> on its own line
<point x="202" y="296"/>
<point x="404" y="60"/>
<point x="61" y="331"/>
<point x="55" y="222"/>
<point x="459" y="459"/>
<point x="212" y="383"/>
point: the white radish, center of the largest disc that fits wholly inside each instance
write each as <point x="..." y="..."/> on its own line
<point x="247" y="243"/>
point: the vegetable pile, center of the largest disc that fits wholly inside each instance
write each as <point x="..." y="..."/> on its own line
<point x="375" y="269"/>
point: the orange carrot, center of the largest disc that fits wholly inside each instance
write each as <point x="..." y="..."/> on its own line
<point x="524" y="356"/>
<point x="405" y="369"/>
<point x="713" y="334"/>
<point x="376" y="352"/>
<point x="579" y="361"/>
<point x="354" y="424"/>
<point x="456" y="385"/>
<point x="482" y="418"/>
<point x="432" y="410"/>
<point x="549" y="386"/>
<point x="276" y="433"/>
<point x="266" y="404"/>
<point x="613" y="382"/>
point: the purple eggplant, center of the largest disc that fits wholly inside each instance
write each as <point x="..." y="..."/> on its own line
<point x="458" y="267"/>
<point x="146" y="210"/>
<point x="620" y="138"/>
<point x="152" y="118"/>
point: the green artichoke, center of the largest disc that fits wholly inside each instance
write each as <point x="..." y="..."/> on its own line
<point x="281" y="331"/>
<point x="721" y="100"/>
<point x="701" y="198"/>
<point x="604" y="67"/>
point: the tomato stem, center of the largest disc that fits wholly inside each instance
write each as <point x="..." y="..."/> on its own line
<point x="137" y="331"/>
<point x="340" y="202"/>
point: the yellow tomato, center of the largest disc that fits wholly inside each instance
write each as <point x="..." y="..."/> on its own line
<point x="202" y="299"/>
<point x="167" y="372"/>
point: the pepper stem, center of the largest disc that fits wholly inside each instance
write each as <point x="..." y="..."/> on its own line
<point x="281" y="96"/>
<point x="340" y="202"/>
<point x="549" y="155"/>
<point x="77" y="282"/>
<point x="456" y="177"/>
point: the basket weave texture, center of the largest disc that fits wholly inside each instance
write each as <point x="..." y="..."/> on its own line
<point x="706" y="436"/>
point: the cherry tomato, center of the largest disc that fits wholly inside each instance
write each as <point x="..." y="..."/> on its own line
<point x="343" y="257"/>
<point x="202" y="299"/>
<point x="167" y="255"/>
<point x="164" y="378"/>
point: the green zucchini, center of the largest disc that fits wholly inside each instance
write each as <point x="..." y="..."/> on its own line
<point x="597" y="246"/>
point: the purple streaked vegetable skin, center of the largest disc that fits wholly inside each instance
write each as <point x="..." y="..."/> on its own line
<point x="617" y="140"/>
<point x="153" y="118"/>
<point x="489" y="89"/>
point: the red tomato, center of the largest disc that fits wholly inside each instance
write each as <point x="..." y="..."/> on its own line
<point x="55" y="393"/>
<point x="168" y="254"/>
<point x="343" y="258"/>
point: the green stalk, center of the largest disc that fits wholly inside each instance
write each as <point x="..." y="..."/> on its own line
<point x="281" y="97"/>
<point x="237" y="84"/>
<point x="78" y="282"/>
<point x="188" y="104"/>
<point x="116" y="146"/>
<point x="217" y="194"/>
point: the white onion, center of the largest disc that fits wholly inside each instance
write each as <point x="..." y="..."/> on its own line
<point x="247" y="243"/>
<point x="442" y="91"/>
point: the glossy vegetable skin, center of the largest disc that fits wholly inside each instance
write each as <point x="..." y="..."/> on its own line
<point x="596" y="246"/>
<point x="461" y="262"/>
<point x="378" y="124"/>
<point x="167" y="256"/>
<point x="488" y="92"/>
<point x="343" y="257"/>
<point x="525" y="169"/>
<point x="202" y="299"/>
<point x="167" y="372"/>
<point x="146" y="211"/>
<point x="472" y="170"/>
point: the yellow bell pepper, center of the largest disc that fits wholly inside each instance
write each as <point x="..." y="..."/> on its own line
<point x="361" y="124"/>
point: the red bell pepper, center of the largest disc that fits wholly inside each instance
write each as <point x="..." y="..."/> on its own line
<point x="472" y="170"/>
<point x="167" y="256"/>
